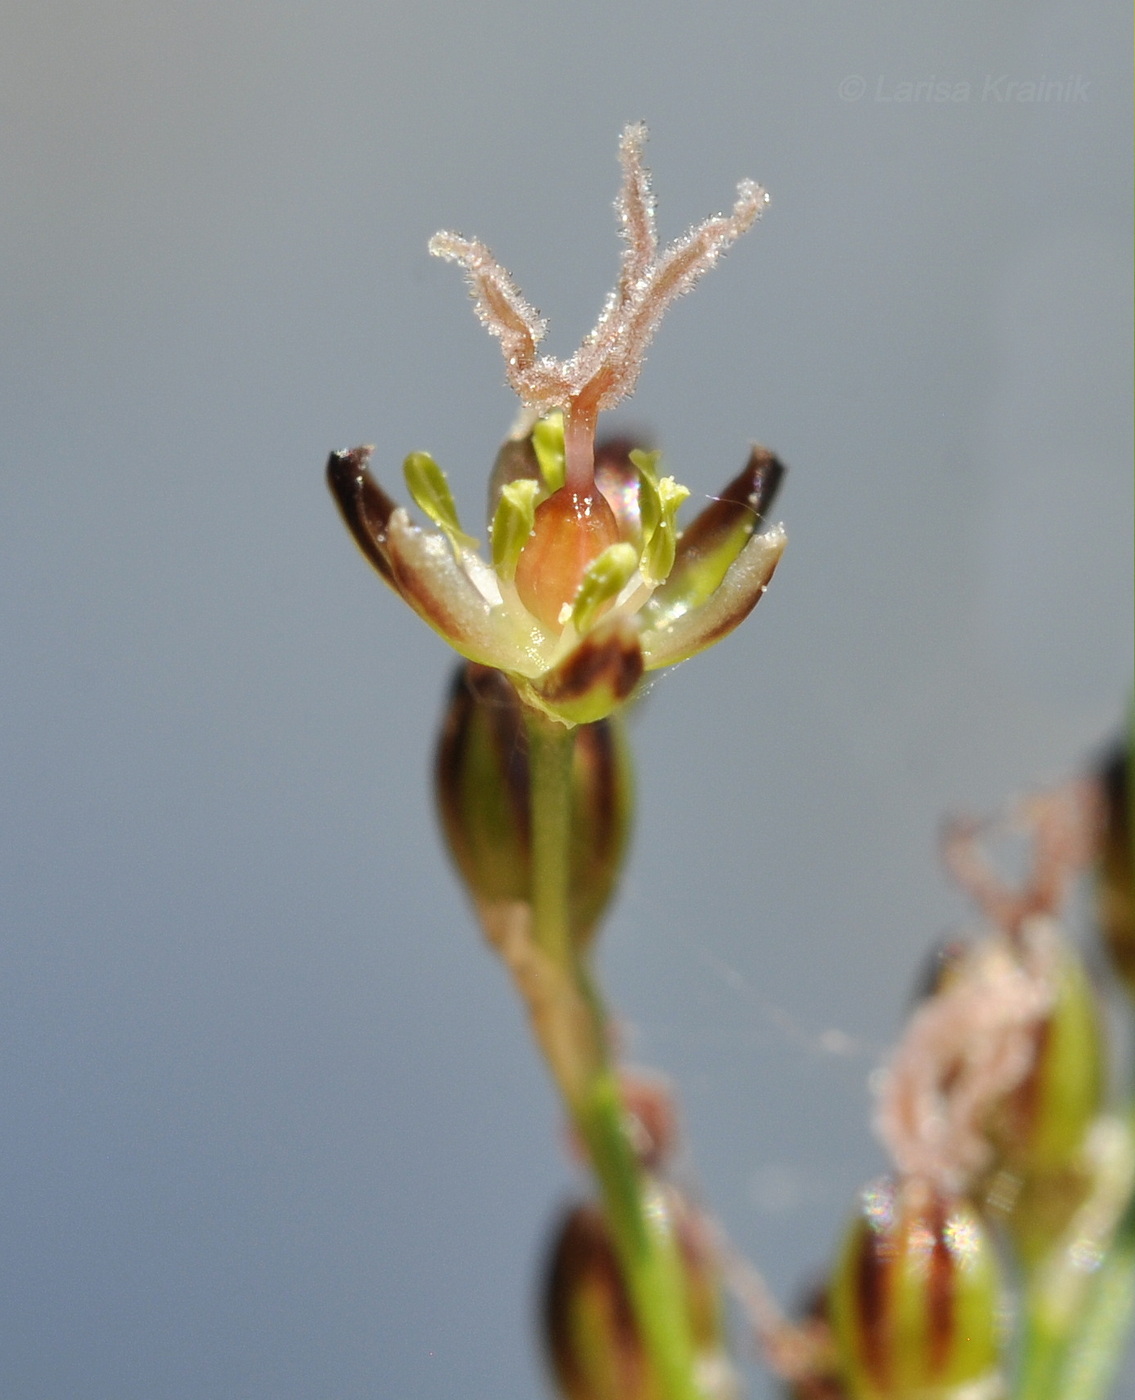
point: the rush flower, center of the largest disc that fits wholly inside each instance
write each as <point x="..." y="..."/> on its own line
<point x="590" y="581"/>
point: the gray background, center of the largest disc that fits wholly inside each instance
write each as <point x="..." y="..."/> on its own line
<point x="269" y="1122"/>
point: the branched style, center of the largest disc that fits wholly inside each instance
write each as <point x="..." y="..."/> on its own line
<point x="606" y="366"/>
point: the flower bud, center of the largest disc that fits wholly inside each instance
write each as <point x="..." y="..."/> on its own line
<point x="804" y="1351"/>
<point x="590" y="1331"/>
<point x="915" y="1298"/>
<point x="1039" y="1128"/>
<point x="1038" y="1210"/>
<point x="650" y="1119"/>
<point x="483" y="798"/>
<point x="1042" y="1174"/>
<point x="940" y="969"/>
<point x="1019" y="1069"/>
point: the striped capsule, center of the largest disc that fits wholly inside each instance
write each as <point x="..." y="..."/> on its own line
<point x="915" y="1299"/>
<point x="481" y="784"/>
<point x="590" y="1334"/>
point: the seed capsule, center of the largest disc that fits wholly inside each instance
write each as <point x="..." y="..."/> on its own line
<point x="481" y="783"/>
<point x="590" y="1332"/>
<point x="914" y="1301"/>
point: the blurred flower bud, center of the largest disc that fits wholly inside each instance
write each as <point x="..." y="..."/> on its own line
<point x="915" y="1298"/>
<point x="1038" y="1210"/>
<point x="940" y="969"/>
<point x="1117" y="867"/>
<point x="1039" y="1128"/>
<point x="1035" y="1177"/>
<point x="483" y="798"/>
<point x="811" y="1369"/>
<point x="650" y="1119"/>
<point x="818" y="1387"/>
<point x="589" y="1327"/>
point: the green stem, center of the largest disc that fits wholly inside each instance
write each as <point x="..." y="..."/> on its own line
<point x="647" y="1253"/>
<point x="1076" y="1321"/>
<point x="1106" y="1320"/>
